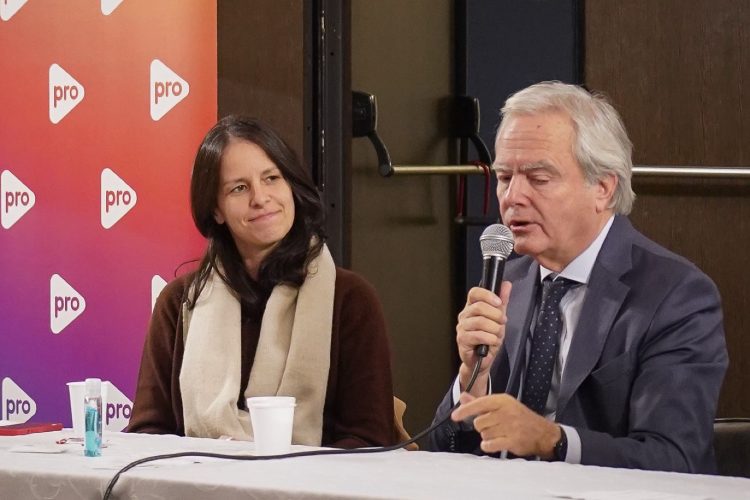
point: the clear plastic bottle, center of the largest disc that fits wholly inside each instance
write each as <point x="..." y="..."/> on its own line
<point x="92" y="406"/>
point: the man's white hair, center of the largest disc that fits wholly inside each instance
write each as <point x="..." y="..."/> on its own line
<point x="601" y="144"/>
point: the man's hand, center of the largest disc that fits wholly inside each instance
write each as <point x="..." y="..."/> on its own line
<point x="506" y="424"/>
<point x="482" y="321"/>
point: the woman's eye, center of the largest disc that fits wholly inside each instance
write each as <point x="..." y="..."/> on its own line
<point x="239" y="189"/>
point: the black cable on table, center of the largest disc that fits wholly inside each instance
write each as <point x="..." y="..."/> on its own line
<point x="312" y="453"/>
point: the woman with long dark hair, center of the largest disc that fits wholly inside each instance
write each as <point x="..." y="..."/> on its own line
<point x="267" y="312"/>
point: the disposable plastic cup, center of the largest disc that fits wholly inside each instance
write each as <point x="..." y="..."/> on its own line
<point x="77" y="391"/>
<point x="272" y="418"/>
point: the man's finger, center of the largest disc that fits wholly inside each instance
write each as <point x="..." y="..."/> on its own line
<point x="479" y="406"/>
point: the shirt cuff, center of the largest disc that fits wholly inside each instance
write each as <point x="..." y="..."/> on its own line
<point x="573" y="456"/>
<point x="456" y="391"/>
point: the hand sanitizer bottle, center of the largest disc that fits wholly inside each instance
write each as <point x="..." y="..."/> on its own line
<point x="92" y="406"/>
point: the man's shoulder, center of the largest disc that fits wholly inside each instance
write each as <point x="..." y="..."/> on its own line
<point x="518" y="267"/>
<point x="648" y="255"/>
<point x="645" y="264"/>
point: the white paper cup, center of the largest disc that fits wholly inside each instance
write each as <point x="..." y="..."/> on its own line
<point x="77" y="391"/>
<point x="272" y="418"/>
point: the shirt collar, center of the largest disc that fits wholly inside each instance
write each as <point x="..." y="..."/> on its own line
<point x="580" y="268"/>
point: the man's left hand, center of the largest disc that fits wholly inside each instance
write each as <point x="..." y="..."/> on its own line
<point x="506" y="424"/>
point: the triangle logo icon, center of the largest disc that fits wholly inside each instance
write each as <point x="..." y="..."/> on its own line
<point x="157" y="285"/>
<point x="108" y="6"/>
<point x="17" y="405"/>
<point x="117" y="408"/>
<point x="8" y="8"/>
<point x="65" y="93"/>
<point x="167" y="89"/>
<point x="17" y="199"/>
<point x="65" y="304"/>
<point x="117" y="198"/>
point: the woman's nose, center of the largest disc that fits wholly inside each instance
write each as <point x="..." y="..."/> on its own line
<point x="260" y="195"/>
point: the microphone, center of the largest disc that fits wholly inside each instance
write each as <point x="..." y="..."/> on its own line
<point x="497" y="244"/>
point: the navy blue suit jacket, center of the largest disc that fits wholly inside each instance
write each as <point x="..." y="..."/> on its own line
<point x="646" y="362"/>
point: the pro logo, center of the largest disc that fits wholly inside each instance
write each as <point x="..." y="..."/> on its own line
<point x="117" y="198"/>
<point x="65" y="93"/>
<point x="108" y="6"/>
<point x="65" y="304"/>
<point x="17" y="406"/>
<point x="119" y="407"/>
<point x="16" y="200"/>
<point x="167" y="89"/>
<point x="8" y="8"/>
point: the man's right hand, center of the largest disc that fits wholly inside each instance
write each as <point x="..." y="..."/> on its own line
<point x="482" y="321"/>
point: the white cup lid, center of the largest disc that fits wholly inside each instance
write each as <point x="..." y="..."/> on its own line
<point x="271" y="401"/>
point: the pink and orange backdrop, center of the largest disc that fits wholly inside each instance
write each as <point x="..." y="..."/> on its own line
<point x="102" y="106"/>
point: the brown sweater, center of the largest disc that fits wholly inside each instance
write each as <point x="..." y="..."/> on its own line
<point x="359" y="398"/>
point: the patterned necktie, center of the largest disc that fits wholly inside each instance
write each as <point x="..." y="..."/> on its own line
<point x="545" y="344"/>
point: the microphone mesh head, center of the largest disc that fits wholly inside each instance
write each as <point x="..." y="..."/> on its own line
<point x="496" y="241"/>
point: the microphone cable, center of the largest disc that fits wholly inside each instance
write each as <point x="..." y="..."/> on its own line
<point x="312" y="453"/>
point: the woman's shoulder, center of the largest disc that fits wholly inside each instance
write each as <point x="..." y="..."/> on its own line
<point x="348" y="281"/>
<point x="355" y="291"/>
<point x="175" y="291"/>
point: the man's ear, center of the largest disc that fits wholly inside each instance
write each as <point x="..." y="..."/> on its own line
<point x="605" y="190"/>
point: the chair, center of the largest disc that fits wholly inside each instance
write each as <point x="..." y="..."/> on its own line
<point x="732" y="446"/>
<point x="399" y="407"/>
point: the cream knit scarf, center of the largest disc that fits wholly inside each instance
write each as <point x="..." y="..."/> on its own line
<point x="292" y="359"/>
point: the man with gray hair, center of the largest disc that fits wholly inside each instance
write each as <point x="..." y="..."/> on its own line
<point x="610" y="349"/>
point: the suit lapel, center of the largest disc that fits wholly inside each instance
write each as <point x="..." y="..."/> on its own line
<point x="604" y="298"/>
<point x="519" y="318"/>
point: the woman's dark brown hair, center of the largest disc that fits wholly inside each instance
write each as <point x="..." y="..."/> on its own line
<point x="287" y="263"/>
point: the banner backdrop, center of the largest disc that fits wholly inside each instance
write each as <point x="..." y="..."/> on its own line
<point x="102" y="107"/>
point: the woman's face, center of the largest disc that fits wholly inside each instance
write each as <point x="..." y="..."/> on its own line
<point x="254" y="201"/>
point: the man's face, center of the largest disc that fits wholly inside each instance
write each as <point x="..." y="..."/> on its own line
<point x="553" y="212"/>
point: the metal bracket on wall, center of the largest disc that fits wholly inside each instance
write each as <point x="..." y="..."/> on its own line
<point x="465" y="125"/>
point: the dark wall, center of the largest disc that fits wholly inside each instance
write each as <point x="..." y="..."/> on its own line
<point x="677" y="70"/>
<point x="263" y="68"/>
<point x="507" y="45"/>
<point x="401" y="239"/>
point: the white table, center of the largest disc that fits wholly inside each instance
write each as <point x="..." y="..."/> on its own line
<point x="399" y="474"/>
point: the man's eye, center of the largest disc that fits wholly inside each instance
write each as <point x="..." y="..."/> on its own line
<point x="504" y="179"/>
<point x="540" y="180"/>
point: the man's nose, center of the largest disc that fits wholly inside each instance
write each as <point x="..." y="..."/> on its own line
<point x="514" y="192"/>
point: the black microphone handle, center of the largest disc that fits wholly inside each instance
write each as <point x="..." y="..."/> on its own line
<point x="492" y="277"/>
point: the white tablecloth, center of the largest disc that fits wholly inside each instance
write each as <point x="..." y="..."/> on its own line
<point x="400" y="474"/>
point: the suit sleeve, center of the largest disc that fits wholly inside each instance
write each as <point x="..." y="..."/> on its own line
<point x="680" y="367"/>
<point x="460" y="437"/>
<point x="457" y="437"/>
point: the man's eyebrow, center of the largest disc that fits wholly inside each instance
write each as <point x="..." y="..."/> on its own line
<point x="538" y="165"/>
